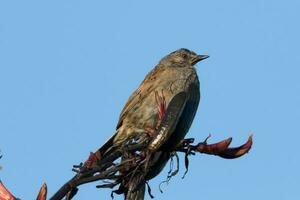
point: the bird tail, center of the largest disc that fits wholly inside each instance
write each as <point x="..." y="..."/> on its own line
<point x="137" y="195"/>
<point x="107" y="145"/>
<point x="100" y="153"/>
<point x="133" y="192"/>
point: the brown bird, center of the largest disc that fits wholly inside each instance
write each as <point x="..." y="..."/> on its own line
<point x="162" y="108"/>
<point x="152" y="126"/>
<point x="174" y="76"/>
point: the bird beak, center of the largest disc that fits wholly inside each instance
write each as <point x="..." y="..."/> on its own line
<point x="199" y="58"/>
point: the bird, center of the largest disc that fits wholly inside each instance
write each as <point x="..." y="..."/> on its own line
<point x="162" y="108"/>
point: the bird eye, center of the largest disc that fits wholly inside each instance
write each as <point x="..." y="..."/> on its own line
<point x="184" y="56"/>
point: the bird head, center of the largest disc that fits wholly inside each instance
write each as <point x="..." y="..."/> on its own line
<point x="181" y="58"/>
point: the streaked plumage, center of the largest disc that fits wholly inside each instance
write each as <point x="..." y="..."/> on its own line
<point x="173" y="74"/>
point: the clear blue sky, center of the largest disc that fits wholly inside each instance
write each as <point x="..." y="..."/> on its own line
<point x="68" y="67"/>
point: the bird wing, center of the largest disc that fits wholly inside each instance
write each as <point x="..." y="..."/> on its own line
<point x="164" y="131"/>
<point x="169" y="121"/>
<point x="145" y="89"/>
<point x="133" y="100"/>
<point x="182" y="127"/>
<point x="186" y="117"/>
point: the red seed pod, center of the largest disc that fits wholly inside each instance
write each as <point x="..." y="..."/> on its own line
<point x="235" y="152"/>
<point x="42" y="195"/>
<point x="92" y="159"/>
<point x="214" y="149"/>
<point x="223" y="150"/>
<point x="5" y="194"/>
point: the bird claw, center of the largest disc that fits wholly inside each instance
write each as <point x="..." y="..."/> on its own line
<point x="222" y="148"/>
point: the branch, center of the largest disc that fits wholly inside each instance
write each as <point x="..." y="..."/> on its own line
<point x="121" y="173"/>
<point x="128" y="173"/>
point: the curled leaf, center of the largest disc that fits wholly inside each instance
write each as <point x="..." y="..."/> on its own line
<point x="235" y="152"/>
<point x="223" y="150"/>
<point x="214" y="149"/>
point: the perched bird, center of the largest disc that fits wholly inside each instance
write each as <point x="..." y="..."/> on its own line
<point x="151" y="127"/>
<point x="145" y="108"/>
<point x="162" y="108"/>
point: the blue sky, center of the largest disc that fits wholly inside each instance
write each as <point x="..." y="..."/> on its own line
<point x="68" y="67"/>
